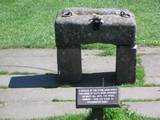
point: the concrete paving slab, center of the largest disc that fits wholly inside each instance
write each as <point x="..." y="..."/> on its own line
<point x="148" y="109"/>
<point x="42" y="94"/>
<point x="37" y="94"/>
<point x="152" y="69"/>
<point x="28" y="60"/>
<point x="4" y="81"/>
<point x="45" y="61"/>
<point x="150" y="60"/>
<point x="95" y="64"/>
<point x="38" y="102"/>
<point x="140" y="93"/>
<point x="149" y="50"/>
<point x="28" y="110"/>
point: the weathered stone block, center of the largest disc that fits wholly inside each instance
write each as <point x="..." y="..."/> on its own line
<point x="69" y="64"/>
<point x="116" y="27"/>
<point x="126" y="64"/>
<point x="75" y="26"/>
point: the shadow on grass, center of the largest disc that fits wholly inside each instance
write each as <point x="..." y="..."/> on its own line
<point x="52" y="81"/>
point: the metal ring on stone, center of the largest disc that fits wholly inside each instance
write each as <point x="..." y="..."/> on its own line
<point x="66" y="14"/>
<point x="124" y="14"/>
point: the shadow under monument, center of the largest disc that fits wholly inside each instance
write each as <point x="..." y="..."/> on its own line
<point x="35" y="81"/>
<point x="97" y="79"/>
<point x="52" y="80"/>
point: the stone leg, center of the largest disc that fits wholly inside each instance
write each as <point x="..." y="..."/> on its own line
<point x="126" y="64"/>
<point x="69" y="64"/>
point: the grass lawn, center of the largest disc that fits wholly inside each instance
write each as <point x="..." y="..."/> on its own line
<point x="30" y="23"/>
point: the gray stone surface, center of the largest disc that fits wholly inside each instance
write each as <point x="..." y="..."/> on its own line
<point x="34" y="94"/>
<point x="75" y="26"/>
<point x="69" y="65"/>
<point x="140" y="93"/>
<point x="38" y="102"/>
<point x="37" y="109"/>
<point x="37" y="94"/>
<point x="28" y="60"/>
<point x="126" y="64"/>
<point x="5" y="80"/>
<point x="152" y="68"/>
<point x="149" y="109"/>
<point x="95" y="64"/>
<point x="78" y="28"/>
<point x="43" y="61"/>
<point x="150" y="60"/>
<point x="149" y="50"/>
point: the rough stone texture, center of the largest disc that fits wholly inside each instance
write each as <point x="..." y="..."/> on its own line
<point x="77" y="29"/>
<point x="69" y="64"/>
<point x="75" y="26"/>
<point x="126" y="64"/>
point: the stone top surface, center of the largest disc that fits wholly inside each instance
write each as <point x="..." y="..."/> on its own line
<point x="84" y="15"/>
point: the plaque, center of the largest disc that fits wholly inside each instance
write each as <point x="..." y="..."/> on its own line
<point x="98" y="97"/>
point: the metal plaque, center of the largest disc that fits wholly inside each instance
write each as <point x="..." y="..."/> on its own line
<point x="89" y="97"/>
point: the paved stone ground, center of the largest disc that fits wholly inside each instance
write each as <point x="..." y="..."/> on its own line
<point x="38" y="101"/>
<point x="41" y="61"/>
<point x="150" y="59"/>
<point x="38" y="109"/>
<point x="45" y="61"/>
<point x="150" y="109"/>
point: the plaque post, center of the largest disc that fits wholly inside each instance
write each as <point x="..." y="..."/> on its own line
<point x="97" y="114"/>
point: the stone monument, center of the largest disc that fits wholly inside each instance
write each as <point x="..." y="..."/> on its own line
<point x="76" y="26"/>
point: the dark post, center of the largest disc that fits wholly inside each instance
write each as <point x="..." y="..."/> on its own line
<point x="97" y="114"/>
<point x="69" y="64"/>
<point x="126" y="64"/>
